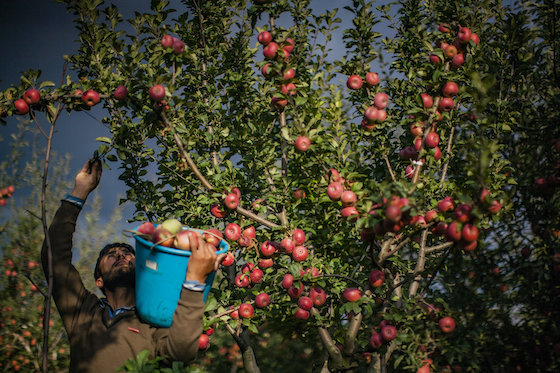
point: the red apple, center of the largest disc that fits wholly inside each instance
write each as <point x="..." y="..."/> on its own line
<point x="444" y="27"/>
<point x="294" y="291"/>
<point x="436" y="152"/>
<point x="446" y="104"/>
<point x="475" y="39"/>
<point x="267" y="248"/>
<point x="463" y="212"/>
<point x="376" y="340"/>
<point x="256" y="275"/>
<point x="232" y="231"/>
<point x="270" y="50"/>
<point x="302" y="143"/>
<point x="318" y="296"/>
<point x="32" y="96"/>
<point x="430" y="215"/>
<point x="217" y="212"/>
<point x="231" y="201"/>
<point x="267" y="70"/>
<point x="278" y="103"/>
<point x="393" y="213"/>
<point x="376" y="278"/>
<point x="288" y="45"/>
<point x="167" y="41"/>
<point x="305" y="303"/>
<point x="157" y="92"/>
<point x="450" y="89"/>
<point x="262" y="300"/>
<point x="432" y="140"/>
<point x="242" y="280"/>
<point x="146" y="228"/>
<point x="287" y="281"/>
<point x="350" y="213"/>
<point x="381" y="100"/>
<point x="289" y="89"/>
<point x="372" y="79"/>
<point x="299" y="236"/>
<point x="213" y="236"/>
<point x="228" y="260"/>
<point x="178" y="46"/>
<point x="247" y="267"/>
<point x="186" y="240"/>
<point x="120" y="92"/>
<point x="288" y="245"/>
<point x="464" y="35"/>
<point x="469" y="233"/>
<point x="90" y="97"/>
<point x="289" y="74"/>
<point x="453" y="232"/>
<point x="435" y="59"/>
<point x="450" y="51"/>
<point x="354" y="82"/>
<point x="203" y="342"/>
<point x="246" y="310"/>
<point x="446" y="204"/>
<point x="162" y="237"/>
<point x="301" y="314"/>
<point x="335" y="190"/>
<point x="458" y="60"/>
<point x="427" y="100"/>
<point x="352" y="294"/>
<point x="417" y="129"/>
<point x="447" y="324"/>
<point x="371" y="114"/>
<point x="494" y="207"/>
<point x="300" y="253"/>
<point x="265" y="263"/>
<point x="264" y="37"/>
<point x="388" y="332"/>
<point x="348" y="198"/>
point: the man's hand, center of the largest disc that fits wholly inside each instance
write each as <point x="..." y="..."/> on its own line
<point x="203" y="260"/>
<point x="87" y="179"/>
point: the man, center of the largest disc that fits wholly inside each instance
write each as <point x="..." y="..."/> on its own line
<point x="104" y="333"/>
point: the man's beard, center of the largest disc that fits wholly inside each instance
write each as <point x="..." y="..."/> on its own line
<point x="122" y="277"/>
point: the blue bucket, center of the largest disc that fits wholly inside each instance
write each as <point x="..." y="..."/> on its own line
<point x="160" y="273"/>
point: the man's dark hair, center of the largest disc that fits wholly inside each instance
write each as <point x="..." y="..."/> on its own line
<point x="105" y="250"/>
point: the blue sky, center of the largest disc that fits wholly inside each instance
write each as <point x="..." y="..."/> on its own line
<point x="35" y="35"/>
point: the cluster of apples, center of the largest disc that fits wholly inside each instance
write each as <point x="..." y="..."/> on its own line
<point x="384" y="333"/>
<point x="171" y="42"/>
<point x="307" y="296"/>
<point x="431" y="139"/>
<point x="171" y="234"/>
<point x="31" y="97"/>
<point x="454" y="52"/>
<point x="374" y="113"/>
<point x="204" y="339"/>
<point x="338" y="191"/>
<point x="284" y="74"/>
<point x="230" y="201"/>
<point x="6" y="193"/>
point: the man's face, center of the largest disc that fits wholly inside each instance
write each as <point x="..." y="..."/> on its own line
<point x="117" y="268"/>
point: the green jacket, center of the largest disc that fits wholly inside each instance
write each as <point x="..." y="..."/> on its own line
<point x="99" y="344"/>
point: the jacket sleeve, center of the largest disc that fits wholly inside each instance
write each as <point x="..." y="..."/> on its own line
<point x="180" y="341"/>
<point x="68" y="289"/>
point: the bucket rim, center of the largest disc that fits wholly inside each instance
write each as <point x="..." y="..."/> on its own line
<point x="223" y="248"/>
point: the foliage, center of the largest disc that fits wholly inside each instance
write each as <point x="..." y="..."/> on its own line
<point x="224" y="124"/>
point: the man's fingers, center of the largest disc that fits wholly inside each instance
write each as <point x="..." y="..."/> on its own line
<point x="218" y="261"/>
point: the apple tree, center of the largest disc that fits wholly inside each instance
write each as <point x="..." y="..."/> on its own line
<point x="360" y="186"/>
